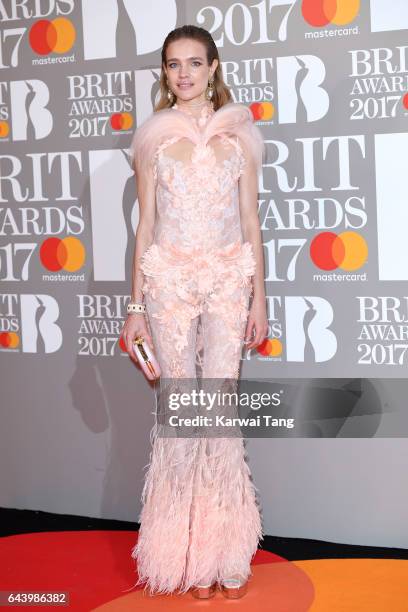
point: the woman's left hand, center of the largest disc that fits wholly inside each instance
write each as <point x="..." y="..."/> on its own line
<point x="257" y="324"/>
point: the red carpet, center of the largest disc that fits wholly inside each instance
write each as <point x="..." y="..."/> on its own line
<point x="95" y="567"/>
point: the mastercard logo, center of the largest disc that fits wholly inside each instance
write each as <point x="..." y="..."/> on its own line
<point x="56" y="36"/>
<point x="4" y="129"/>
<point x="270" y="347"/>
<point x="9" y="340"/>
<point x="121" y="121"/>
<point x="68" y="253"/>
<point x="405" y="101"/>
<point x="318" y="13"/>
<point x="262" y="111"/>
<point x="347" y="251"/>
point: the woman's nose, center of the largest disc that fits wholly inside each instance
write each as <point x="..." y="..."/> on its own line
<point x="184" y="72"/>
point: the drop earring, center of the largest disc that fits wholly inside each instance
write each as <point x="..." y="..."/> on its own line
<point x="210" y="89"/>
<point x="170" y="94"/>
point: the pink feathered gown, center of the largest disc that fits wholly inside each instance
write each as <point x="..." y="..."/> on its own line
<point x="200" y="520"/>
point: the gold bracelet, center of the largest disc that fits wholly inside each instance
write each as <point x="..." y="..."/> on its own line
<point x="135" y="307"/>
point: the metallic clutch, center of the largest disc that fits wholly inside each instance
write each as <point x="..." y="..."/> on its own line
<point x="146" y="358"/>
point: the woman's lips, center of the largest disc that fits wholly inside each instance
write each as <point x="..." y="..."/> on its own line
<point x="184" y="85"/>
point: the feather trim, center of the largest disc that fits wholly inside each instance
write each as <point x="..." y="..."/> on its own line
<point x="200" y="520"/>
<point x="237" y="119"/>
<point x="159" y="126"/>
<point x="232" y="118"/>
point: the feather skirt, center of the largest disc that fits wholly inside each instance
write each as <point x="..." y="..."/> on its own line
<point x="200" y="520"/>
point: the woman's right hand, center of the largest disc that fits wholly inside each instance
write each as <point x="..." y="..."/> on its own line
<point x="135" y="325"/>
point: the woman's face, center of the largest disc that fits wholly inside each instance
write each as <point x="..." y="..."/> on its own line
<point x="187" y="70"/>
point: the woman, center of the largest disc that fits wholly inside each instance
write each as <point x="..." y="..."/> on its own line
<point x="198" y="259"/>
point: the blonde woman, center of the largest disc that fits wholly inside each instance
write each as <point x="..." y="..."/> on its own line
<point x="198" y="261"/>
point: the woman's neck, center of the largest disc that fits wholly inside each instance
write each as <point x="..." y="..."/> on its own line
<point x="195" y="109"/>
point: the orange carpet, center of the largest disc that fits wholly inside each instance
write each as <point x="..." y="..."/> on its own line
<point x="96" y="569"/>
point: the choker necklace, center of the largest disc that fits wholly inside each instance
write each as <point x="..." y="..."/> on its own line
<point x="194" y="105"/>
<point x="204" y="115"/>
<point x="205" y="106"/>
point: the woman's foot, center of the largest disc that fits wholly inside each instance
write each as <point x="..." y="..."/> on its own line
<point x="234" y="588"/>
<point x="204" y="591"/>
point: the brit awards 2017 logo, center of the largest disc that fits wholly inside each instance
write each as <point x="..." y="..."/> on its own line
<point x="302" y="97"/>
<point x="100" y="104"/>
<point x="299" y="329"/>
<point x="48" y="234"/>
<point x="29" y="322"/>
<point x="25" y="115"/>
<point x="383" y="333"/>
<point x="380" y="83"/>
<point x="307" y="329"/>
<point x="311" y="205"/>
<point x="273" y="21"/>
<point x="101" y="319"/>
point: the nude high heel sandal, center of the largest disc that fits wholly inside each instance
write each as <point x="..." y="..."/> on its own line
<point x="233" y="588"/>
<point x="204" y="591"/>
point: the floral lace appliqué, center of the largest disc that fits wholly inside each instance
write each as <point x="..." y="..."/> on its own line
<point x="198" y="260"/>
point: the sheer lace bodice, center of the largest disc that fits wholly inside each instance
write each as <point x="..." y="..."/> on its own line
<point x="197" y="197"/>
<point x="196" y="165"/>
<point x="198" y="259"/>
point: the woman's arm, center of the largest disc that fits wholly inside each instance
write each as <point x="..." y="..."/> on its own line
<point x="248" y="205"/>
<point x="136" y="324"/>
<point x="146" y="193"/>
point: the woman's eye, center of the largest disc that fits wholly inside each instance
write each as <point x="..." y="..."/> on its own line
<point x="196" y="63"/>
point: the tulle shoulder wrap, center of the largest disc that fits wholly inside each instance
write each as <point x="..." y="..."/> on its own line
<point x="232" y="118"/>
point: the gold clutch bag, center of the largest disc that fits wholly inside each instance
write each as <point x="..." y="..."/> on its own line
<point x="146" y="358"/>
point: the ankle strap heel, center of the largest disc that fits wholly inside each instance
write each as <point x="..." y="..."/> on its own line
<point x="205" y="591"/>
<point x="233" y="588"/>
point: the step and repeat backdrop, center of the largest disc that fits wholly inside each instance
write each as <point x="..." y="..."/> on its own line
<point x="327" y="83"/>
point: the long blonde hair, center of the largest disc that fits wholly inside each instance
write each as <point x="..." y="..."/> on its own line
<point x="221" y="93"/>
